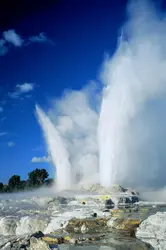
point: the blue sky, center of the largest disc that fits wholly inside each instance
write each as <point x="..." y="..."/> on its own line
<point x="50" y="50"/>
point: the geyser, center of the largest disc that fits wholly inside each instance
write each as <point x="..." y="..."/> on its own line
<point x="121" y="142"/>
<point x="57" y="151"/>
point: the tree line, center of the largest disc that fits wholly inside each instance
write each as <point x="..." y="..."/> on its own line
<point x="36" y="178"/>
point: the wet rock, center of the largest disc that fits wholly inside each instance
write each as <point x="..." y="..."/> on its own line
<point x="7" y="246"/>
<point x="30" y="225"/>
<point x="124" y="201"/>
<point x="90" y="225"/>
<point x="127" y="243"/>
<point x="94" y="215"/>
<point x="117" y="213"/>
<point x="134" y="199"/>
<point x="38" y="244"/>
<point x="120" y="213"/>
<point x="8" y="225"/>
<point x="37" y="235"/>
<point x="59" y="236"/>
<point x="125" y="224"/>
<point x="51" y="240"/>
<point x="69" y="239"/>
<point x="109" y="204"/>
<point x="153" y="230"/>
<point x="84" y="229"/>
<point x="54" y="239"/>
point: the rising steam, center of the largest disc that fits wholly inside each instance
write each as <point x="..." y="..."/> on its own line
<point x="125" y="141"/>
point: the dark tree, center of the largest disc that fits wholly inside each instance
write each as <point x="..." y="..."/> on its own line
<point x="23" y="185"/>
<point x="5" y="189"/>
<point x="37" y="177"/>
<point x="49" y="182"/>
<point x="14" y="182"/>
<point x="1" y="187"/>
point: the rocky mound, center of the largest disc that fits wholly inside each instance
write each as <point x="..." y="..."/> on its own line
<point x="153" y="230"/>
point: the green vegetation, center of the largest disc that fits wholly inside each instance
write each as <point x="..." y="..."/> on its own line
<point x="37" y="178"/>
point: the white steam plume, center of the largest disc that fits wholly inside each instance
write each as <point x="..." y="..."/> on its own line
<point x="125" y="142"/>
<point x="76" y="122"/>
<point x="57" y="151"/>
<point x="133" y="77"/>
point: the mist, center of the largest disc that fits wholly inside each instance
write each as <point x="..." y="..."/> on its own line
<point x="118" y="134"/>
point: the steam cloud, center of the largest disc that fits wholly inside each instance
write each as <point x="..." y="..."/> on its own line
<point x="124" y="141"/>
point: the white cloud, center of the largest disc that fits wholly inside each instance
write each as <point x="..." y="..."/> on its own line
<point x="40" y="159"/>
<point x="21" y="89"/>
<point x="15" y="39"/>
<point x="1" y="109"/>
<point x="3" y="133"/>
<point x="12" y="37"/>
<point x="11" y="144"/>
<point x="24" y="88"/>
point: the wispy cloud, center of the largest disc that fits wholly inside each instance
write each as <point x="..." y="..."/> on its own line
<point x="41" y="38"/>
<point x="11" y="144"/>
<point x="14" y="95"/>
<point x="3" y="48"/>
<point x="3" y="133"/>
<point x="1" y="109"/>
<point x="3" y="102"/>
<point x="38" y="148"/>
<point x="21" y="89"/>
<point x="42" y="159"/>
<point x="3" y="118"/>
<point x="12" y="37"/>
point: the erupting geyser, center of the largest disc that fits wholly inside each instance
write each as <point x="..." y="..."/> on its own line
<point x="57" y="151"/>
<point x="121" y="142"/>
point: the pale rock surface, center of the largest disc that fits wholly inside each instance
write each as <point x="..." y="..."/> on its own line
<point x="8" y="225"/>
<point x="38" y="244"/>
<point x="7" y="246"/>
<point x="153" y="231"/>
<point x="30" y="225"/>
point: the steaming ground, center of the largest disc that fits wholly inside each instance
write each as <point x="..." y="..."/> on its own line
<point x="25" y="213"/>
<point x="116" y="134"/>
<point x="22" y="214"/>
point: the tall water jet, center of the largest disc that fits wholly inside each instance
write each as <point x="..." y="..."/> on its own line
<point x="134" y="76"/>
<point x="57" y="150"/>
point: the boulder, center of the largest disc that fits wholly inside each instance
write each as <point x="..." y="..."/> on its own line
<point x="7" y="246"/>
<point x="37" y="235"/>
<point x="38" y="244"/>
<point x="88" y="225"/>
<point x="109" y="204"/>
<point x="53" y="238"/>
<point x="153" y="231"/>
<point x="126" y="225"/>
<point x="50" y="240"/>
<point x="119" y="213"/>
<point x="124" y="200"/>
<point x="115" y="189"/>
